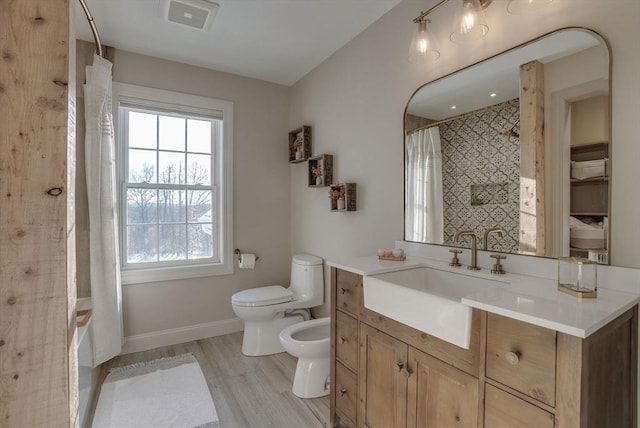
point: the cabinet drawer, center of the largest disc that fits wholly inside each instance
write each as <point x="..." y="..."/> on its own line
<point x="348" y="289"/>
<point x="522" y="356"/>
<point x="503" y="410"/>
<point x="347" y="339"/>
<point x="346" y="393"/>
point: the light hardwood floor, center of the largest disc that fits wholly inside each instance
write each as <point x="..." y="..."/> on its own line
<point x="251" y="392"/>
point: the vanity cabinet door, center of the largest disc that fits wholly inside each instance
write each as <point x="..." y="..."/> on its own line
<point x="347" y="340"/>
<point x="522" y="356"/>
<point x="346" y="394"/>
<point x="439" y="395"/>
<point x="348" y="290"/>
<point x="503" y="410"/>
<point x="383" y="375"/>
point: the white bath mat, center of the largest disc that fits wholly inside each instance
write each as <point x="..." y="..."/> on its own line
<point x="165" y="393"/>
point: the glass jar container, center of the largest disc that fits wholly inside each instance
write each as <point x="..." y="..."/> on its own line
<point x="578" y="276"/>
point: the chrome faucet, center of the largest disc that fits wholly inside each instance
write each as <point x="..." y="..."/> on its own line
<point x="474" y="248"/>
<point x="495" y="230"/>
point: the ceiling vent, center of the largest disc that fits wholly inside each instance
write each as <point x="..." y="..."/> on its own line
<point x="198" y="14"/>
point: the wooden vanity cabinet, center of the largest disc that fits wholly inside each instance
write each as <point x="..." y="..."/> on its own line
<point x="522" y="356"/>
<point x="401" y="377"/>
<point x="400" y="386"/>
<point x="440" y="395"/>
<point x="514" y="374"/>
<point x="346" y="295"/>
<point x="346" y="394"/>
<point x="382" y="383"/>
<point x="503" y="410"/>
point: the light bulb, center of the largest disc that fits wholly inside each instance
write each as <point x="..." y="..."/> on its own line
<point x="469" y="23"/>
<point x="422" y="46"/>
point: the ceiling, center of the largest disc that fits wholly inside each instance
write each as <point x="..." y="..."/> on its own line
<point x="278" y="41"/>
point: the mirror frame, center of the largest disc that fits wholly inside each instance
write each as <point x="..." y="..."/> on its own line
<point x="518" y="46"/>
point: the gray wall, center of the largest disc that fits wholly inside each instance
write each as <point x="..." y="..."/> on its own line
<point x="261" y="207"/>
<point x="261" y="211"/>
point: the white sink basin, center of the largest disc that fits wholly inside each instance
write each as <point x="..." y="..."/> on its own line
<point x="426" y="299"/>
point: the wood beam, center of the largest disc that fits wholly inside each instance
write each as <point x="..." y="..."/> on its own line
<point x="38" y="369"/>
<point x="532" y="201"/>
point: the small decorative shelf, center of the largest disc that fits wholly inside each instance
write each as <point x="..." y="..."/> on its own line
<point x="300" y="144"/>
<point x="348" y="190"/>
<point x="325" y="165"/>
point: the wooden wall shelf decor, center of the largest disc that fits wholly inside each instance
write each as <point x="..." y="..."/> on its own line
<point x="342" y="197"/>
<point x="300" y="144"/>
<point x="320" y="171"/>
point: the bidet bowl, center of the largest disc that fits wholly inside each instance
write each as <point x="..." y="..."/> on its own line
<point x="308" y="339"/>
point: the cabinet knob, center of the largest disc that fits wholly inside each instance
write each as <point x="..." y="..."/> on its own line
<point x="512" y="358"/>
<point x="342" y="340"/>
<point x="343" y="290"/>
<point x="342" y="392"/>
<point x="406" y="372"/>
<point x="403" y="369"/>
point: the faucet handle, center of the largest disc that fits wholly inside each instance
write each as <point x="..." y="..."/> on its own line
<point x="454" y="260"/>
<point x="497" y="266"/>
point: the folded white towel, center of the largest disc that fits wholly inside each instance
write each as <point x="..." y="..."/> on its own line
<point x="575" y="223"/>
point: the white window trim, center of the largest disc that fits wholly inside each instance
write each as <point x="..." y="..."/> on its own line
<point x="183" y="103"/>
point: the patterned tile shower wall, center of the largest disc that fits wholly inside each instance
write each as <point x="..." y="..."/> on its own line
<point x="476" y="155"/>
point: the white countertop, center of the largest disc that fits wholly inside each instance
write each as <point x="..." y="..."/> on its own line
<point x="533" y="300"/>
<point x="370" y="265"/>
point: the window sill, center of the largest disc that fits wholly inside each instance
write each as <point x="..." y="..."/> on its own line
<point x="173" y="273"/>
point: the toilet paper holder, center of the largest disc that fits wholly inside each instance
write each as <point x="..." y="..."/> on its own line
<point x="238" y="254"/>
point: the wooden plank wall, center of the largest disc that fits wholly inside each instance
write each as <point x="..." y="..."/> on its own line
<point x="38" y="370"/>
<point x="532" y="217"/>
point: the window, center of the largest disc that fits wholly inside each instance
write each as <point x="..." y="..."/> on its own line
<point x="175" y="169"/>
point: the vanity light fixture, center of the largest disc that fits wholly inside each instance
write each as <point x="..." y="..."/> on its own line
<point x="469" y="25"/>
<point x="469" y="22"/>
<point x="422" y="46"/>
<point x="523" y="6"/>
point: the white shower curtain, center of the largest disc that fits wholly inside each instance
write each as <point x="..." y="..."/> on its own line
<point x="424" y="205"/>
<point x="101" y="189"/>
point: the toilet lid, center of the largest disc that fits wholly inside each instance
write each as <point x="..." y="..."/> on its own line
<point x="262" y="296"/>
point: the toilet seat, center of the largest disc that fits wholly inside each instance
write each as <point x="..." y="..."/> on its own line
<point x="262" y="296"/>
<point x="302" y="334"/>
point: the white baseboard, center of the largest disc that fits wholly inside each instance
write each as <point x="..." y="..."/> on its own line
<point x="156" y="339"/>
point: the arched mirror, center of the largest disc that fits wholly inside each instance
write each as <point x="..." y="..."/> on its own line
<point x="516" y="149"/>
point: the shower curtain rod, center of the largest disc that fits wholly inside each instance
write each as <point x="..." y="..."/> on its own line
<point x="94" y="30"/>
<point x="461" y="116"/>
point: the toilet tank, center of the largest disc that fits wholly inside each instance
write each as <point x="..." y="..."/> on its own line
<point x="307" y="279"/>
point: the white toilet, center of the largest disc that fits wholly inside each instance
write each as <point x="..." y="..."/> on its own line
<point x="309" y="341"/>
<point x="266" y="311"/>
